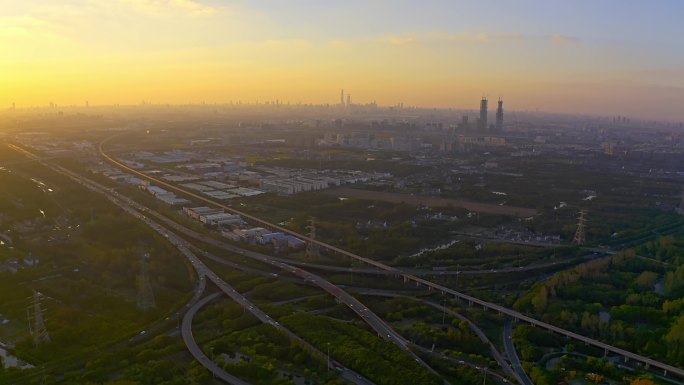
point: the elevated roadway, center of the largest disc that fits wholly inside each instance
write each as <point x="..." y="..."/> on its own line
<point x="666" y="368"/>
<point x="498" y="357"/>
<point x="196" y="351"/>
<point x="203" y="271"/>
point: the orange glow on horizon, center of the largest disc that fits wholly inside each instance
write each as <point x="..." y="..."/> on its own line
<point x="126" y="51"/>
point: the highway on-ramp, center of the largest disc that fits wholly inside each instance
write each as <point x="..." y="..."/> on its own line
<point x="196" y="351"/>
<point x="447" y="310"/>
<point x="409" y="277"/>
<point x="132" y="207"/>
<point x="513" y="354"/>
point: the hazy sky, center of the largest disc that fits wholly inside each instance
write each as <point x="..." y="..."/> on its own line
<point x="595" y="56"/>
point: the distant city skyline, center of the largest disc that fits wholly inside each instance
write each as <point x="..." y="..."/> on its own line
<point x="586" y="57"/>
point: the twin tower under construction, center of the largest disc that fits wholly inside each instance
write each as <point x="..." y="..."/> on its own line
<point x="482" y="122"/>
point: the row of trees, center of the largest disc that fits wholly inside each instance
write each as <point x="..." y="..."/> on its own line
<point x="379" y="360"/>
<point x="630" y="300"/>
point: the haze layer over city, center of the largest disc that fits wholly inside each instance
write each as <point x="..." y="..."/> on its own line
<point x="379" y="192"/>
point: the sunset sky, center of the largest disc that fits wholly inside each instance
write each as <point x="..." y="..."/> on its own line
<point x="604" y="57"/>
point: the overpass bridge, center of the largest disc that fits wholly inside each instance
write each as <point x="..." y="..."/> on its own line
<point x="667" y="369"/>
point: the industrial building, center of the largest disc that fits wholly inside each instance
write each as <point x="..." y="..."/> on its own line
<point x="195" y="212"/>
<point x="293" y="185"/>
<point x="281" y="240"/>
<point x="220" y="219"/>
<point x="161" y="194"/>
<point x="213" y="217"/>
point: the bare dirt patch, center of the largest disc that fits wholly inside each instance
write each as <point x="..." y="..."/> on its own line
<point x="433" y="202"/>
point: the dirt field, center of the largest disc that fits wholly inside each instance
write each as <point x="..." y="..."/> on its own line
<point x="433" y="202"/>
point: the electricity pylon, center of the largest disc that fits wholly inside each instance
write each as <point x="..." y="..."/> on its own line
<point x="37" y="323"/>
<point x="312" y="248"/>
<point x="145" y="293"/>
<point x="580" y="236"/>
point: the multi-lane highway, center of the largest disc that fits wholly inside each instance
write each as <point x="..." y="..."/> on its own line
<point x="372" y="319"/>
<point x="135" y="209"/>
<point x="408" y="277"/>
<point x="447" y="310"/>
<point x="204" y="271"/>
<point x="498" y="377"/>
<point x="424" y="272"/>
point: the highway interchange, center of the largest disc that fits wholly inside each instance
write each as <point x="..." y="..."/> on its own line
<point x="135" y="209"/>
<point x="666" y="368"/>
<point x="375" y="322"/>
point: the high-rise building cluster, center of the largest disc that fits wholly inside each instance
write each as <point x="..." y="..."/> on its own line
<point x="482" y="122"/>
<point x="342" y="102"/>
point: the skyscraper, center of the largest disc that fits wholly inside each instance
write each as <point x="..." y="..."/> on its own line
<point x="342" y="98"/>
<point x="499" y="116"/>
<point x="482" y="124"/>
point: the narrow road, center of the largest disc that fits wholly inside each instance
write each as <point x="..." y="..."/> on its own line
<point x="666" y="368"/>
<point x="130" y="207"/>
<point x="196" y="351"/>
<point x="513" y="354"/>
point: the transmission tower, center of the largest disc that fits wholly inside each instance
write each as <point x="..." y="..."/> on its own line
<point x="145" y="294"/>
<point x="312" y="248"/>
<point x="580" y="236"/>
<point x="36" y="321"/>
